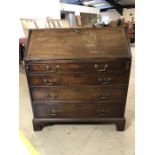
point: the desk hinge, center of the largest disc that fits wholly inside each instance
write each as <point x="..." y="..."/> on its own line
<point x="128" y="64"/>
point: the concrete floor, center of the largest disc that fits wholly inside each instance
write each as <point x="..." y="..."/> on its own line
<point x="79" y="139"/>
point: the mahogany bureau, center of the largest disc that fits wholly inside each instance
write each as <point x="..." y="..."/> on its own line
<point x="78" y="75"/>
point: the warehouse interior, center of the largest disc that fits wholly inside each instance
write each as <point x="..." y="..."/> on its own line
<point x="73" y="139"/>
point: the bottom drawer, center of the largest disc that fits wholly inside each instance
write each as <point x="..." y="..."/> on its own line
<point x="77" y="110"/>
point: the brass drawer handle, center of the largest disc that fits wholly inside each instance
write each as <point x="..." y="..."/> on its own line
<point x="77" y="30"/>
<point x="105" y="96"/>
<point x="27" y="67"/>
<point x="53" y="114"/>
<point x="102" y="112"/>
<point x="104" y="80"/>
<point x="49" y="82"/>
<point x="52" y="70"/>
<point x="52" y="96"/>
<point x="101" y="69"/>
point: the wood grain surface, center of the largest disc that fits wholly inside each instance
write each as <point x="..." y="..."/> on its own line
<point x="77" y="43"/>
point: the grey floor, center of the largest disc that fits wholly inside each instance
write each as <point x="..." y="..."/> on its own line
<point x="79" y="139"/>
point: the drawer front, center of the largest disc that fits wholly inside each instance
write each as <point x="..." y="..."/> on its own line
<point x="78" y="93"/>
<point x="77" y="79"/>
<point x="77" y="110"/>
<point x="98" y="67"/>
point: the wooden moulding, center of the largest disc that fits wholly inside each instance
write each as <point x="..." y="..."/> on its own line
<point x="38" y="124"/>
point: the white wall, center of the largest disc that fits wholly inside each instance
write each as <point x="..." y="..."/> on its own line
<point x="127" y="12"/>
<point x="39" y="9"/>
<point x="48" y="8"/>
<point x="78" y="8"/>
<point x="110" y="15"/>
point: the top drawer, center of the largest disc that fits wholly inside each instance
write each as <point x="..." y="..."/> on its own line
<point x="77" y="67"/>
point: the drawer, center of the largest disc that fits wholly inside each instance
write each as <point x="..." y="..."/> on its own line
<point x="78" y="93"/>
<point x="77" y="110"/>
<point x="77" y="79"/>
<point x="76" y="67"/>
